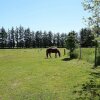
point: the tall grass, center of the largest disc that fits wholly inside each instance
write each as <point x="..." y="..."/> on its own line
<point x="87" y="54"/>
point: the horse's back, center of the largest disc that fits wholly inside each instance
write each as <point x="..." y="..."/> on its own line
<point x="52" y="50"/>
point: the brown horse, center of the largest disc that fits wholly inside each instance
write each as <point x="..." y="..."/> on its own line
<point x="52" y="50"/>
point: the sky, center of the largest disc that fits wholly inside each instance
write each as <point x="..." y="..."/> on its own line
<point x="45" y="15"/>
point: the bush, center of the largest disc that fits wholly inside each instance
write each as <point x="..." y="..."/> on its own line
<point x="73" y="54"/>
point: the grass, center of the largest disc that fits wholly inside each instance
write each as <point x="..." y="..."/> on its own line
<point x="26" y="74"/>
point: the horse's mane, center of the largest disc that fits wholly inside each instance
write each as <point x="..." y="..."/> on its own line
<point x="52" y="47"/>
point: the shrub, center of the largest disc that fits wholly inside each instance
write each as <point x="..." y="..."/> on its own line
<point x="73" y="54"/>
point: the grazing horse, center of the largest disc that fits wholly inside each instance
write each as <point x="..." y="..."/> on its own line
<point x="52" y="50"/>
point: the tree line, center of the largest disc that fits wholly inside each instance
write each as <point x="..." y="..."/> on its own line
<point x="25" y="38"/>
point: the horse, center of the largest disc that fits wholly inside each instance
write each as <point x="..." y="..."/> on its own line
<point x="52" y="50"/>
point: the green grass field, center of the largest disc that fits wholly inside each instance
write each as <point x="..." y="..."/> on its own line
<point x="26" y="74"/>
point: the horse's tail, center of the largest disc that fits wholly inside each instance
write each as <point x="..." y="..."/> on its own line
<point x="59" y="53"/>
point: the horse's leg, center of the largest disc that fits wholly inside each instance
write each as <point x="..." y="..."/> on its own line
<point x="55" y="55"/>
<point x="59" y="53"/>
<point x="50" y="55"/>
<point x="47" y="54"/>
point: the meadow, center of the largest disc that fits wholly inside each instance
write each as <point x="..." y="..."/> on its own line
<point x="26" y="74"/>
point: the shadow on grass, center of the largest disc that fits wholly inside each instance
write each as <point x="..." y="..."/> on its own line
<point x="66" y="59"/>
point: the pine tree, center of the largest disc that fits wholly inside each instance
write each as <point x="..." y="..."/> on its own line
<point x="3" y="37"/>
<point x="12" y="32"/>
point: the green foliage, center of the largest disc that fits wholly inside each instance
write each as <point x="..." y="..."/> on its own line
<point x="91" y="89"/>
<point x="93" y="7"/>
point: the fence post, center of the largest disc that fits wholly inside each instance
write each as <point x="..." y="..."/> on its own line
<point x="64" y="52"/>
<point x="80" y="51"/>
<point x="95" y="65"/>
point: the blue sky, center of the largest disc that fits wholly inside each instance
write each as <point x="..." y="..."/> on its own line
<point x="54" y="15"/>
